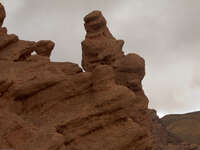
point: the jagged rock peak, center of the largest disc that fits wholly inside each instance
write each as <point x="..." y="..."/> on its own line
<point x="95" y="25"/>
<point x="102" y="49"/>
<point x="69" y="108"/>
<point x="2" y="14"/>
<point x="44" y="47"/>
<point x="14" y="49"/>
<point x="55" y="105"/>
<point x="99" y="46"/>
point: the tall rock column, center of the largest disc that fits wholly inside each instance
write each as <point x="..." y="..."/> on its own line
<point x="101" y="48"/>
<point x="48" y="105"/>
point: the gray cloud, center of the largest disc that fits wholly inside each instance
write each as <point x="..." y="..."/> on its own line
<point x="166" y="33"/>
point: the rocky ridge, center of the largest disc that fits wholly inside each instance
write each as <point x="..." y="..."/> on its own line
<point x="48" y="105"/>
<point x="185" y="126"/>
<point x="56" y="106"/>
<point x="163" y="139"/>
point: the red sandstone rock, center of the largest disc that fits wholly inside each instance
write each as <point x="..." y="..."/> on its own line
<point x="57" y="106"/>
<point x="164" y="140"/>
<point x="44" y="48"/>
<point x="99" y="47"/>
<point x="21" y="135"/>
<point x="2" y="14"/>
<point x="184" y="126"/>
<point x="48" y="105"/>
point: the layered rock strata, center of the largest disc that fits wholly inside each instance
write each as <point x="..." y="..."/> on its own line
<point x="101" y="48"/>
<point x="163" y="139"/>
<point x="48" y="105"/>
<point x="185" y="126"/>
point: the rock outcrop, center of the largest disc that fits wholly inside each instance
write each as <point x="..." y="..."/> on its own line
<point x="48" y="105"/>
<point x="101" y="48"/>
<point x="184" y="126"/>
<point x="2" y="14"/>
<point x="166" y="140"/>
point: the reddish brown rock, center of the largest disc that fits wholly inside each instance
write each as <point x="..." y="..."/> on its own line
<point x="165" y="140"/>
<point x="13" y="49"/>
<point x="99" y="47"/>
<point x="184" y="126"/>
<point x="48" y="105"/>
<point x="2" y="14"/>
<point x="15" y="133"/>
<point x="52" y="105"/>
<point x="44" y="48"/>
<point x="95" y="25"/>
<point x="4" y="85"/>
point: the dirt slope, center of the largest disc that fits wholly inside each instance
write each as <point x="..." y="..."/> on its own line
<point x="184" y="126"/>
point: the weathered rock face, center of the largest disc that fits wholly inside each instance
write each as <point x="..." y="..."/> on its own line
<point x="166" y="140"/>
<point x="48" y="105"/>
<point x="184" y="126"/>
<point x="2" y="14"/>
<point x="101" y="48"/>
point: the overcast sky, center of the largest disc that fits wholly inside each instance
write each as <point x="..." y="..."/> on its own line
<point x="165" y="32"/>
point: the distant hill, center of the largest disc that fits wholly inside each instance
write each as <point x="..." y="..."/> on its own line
<point x="184" y="126"/>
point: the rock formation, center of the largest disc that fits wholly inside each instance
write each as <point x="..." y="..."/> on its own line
<point x="2" y="14"/>
<point x="101" y="48"/>
<point x="48" y="105"/>
<point x="56" y="106"/>
<point x="184" y="126"/>
<point x="165" y="140"/>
